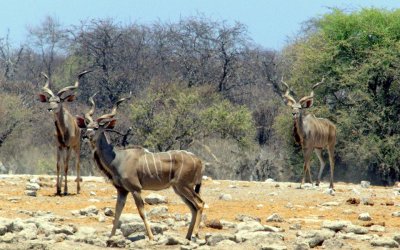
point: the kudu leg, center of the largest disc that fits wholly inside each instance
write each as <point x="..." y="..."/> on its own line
<point x="78" y="170"/>
<point x="318" y="152"/>
<point x="140" y="206"/>
<point x="58" y="184"/>
<point x="306" y="167"/>
<point x="67" y="157"/>
<point x="331" y="151"/>
<point x="121" y="200"/>
<point x="195" y="204"/>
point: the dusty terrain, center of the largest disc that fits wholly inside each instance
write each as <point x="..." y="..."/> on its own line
<point x="307" y="208"/>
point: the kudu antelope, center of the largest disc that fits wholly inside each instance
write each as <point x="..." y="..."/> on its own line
<point x="136" y="169"/>
<point x="67" y="131"/>
<point x="312" y="133"/>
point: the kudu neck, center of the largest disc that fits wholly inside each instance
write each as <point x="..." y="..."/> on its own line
<point x="105" y="149"/>
<point x="299" y="126"/>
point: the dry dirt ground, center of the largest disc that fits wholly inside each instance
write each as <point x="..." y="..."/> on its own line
<point x="307" y="207"/>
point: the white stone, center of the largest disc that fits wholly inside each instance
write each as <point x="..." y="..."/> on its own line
<point x="364" y="217"/>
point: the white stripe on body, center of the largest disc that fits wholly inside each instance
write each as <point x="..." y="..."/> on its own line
<point x="147" y="164"/>
<point x="170" y="165"/>
<point x="155" y="166"/>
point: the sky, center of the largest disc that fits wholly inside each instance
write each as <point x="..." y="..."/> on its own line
<point x="271" y="23"/>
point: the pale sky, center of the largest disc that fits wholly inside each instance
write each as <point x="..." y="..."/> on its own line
<point x="270" y="22"/>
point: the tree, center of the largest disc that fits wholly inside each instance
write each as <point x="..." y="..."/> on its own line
<point x="171" y="117"/>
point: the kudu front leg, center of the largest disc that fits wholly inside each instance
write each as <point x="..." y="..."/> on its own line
<point x="318" y="152"/>
<point x="140" y="206"/>
<point x="78" y="171"/>
<point x="306" y="167"/>
<point x="58" y="184"/>
<point x="121" y="200"/>
<point x="67" y="157"/>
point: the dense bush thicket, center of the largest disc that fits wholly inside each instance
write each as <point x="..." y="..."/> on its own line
<point x="203" y="85"/>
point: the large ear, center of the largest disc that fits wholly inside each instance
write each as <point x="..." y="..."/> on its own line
<point x="307" y="103"/>
<point x="290" y="102"/>
<point x="69" y="98"/>
<point x="43" y="98"/>
<point x="111" y="124"/>
<point x="80" y="121"/>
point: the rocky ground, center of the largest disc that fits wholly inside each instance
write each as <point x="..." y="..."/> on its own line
<point x="238" y="215"/>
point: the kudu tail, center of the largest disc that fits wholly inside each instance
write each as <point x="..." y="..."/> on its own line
<point x="199" y="179"/>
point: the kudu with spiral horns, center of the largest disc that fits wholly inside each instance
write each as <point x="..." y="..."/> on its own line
<point x="67" y="131"/>
<point x="312" y="133"/>
<point x="136" y="169"/>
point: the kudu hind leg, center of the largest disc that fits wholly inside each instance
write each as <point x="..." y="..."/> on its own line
<point x="140" y="206"/>
<point x="119" y="206"/>
<point x="331" y="152"/>
<point x="318" y="152"/>
<point x="195" y="204"/>
<point x="78" y="169"/>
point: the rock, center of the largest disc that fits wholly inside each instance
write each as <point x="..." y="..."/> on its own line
<point x="396" y="214"/>
<point x="335" y="225"/>
<point x="243" y="217"/>
<point x="215" y="223"/>
<point x="251" y="226"/>
<point x="225" y="197"/>
<point x="108" y="211"/>
<point x="138" y="227"/>
<point x="32" y="186"/>
<point x="89" y="211"/>
<point x="307" y="186"/>
<point x="367" y="201"/>
<point x="329" y="191"/>
<point x="275" y="218"/>
<point x="128" y="218"/>
<point x="301" y="244"/>
<point x="315" y="237"/>
<point x="353" y="236"/>
<point x="155" y="199"/>
<point x="214" y="239"/>
<point x="272" y="247"/>
<point x="269" y="180"/>
<point x="295" y="226"/>
<point x="228" y="224"/>
<point x="32" y="193"/>
<point x="92" y="193"/>
<point x="273" y="229"/>
<point x="365" y="184"/>
<point x="258" y="236"/>
<point x="384" y="242"/>
<point x="117" y="241"/>
<point x="157" y="211"/>
<point x="225" y="244"/>
<point x="175" y="240"/>
<point x="330" y="204"/>
<point x="334" y="244"/>
<point x="356" y="229"/>
<point x="377" y="228"/>
<point x="397" y="238"/>
<point x="353" y="201"/>
<point x="364" y="217"/>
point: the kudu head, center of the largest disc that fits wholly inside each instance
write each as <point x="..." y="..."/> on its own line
<point x="303" y="103"/>
<point x="55" y="100"/>
<point x="95" y="126"/>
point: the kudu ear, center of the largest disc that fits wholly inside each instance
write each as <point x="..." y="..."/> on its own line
<point x="307" y="103"/>
<point x="69" y="98"/>
<point x="43" y="98"/>
<point x="290" y="102"/>
<point x="80" y="121"/>
<point x="111" y="124"/>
